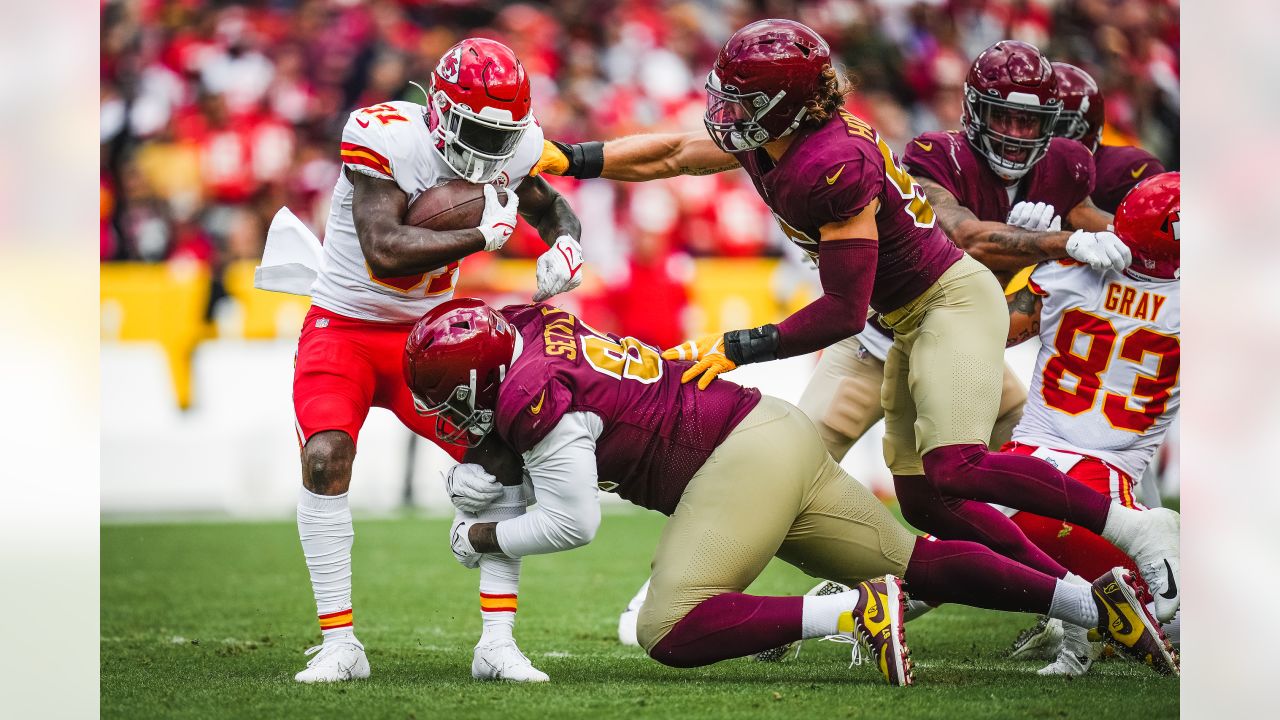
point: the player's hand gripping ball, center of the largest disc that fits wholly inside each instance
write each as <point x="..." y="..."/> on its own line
<point x="708" y="356"/>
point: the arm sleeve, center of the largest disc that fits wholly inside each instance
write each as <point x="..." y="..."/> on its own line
<point x="562" y="467"/>
<point x="847" y="269"/>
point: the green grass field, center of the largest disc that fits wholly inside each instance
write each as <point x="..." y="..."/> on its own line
<point x="211" y="620"/>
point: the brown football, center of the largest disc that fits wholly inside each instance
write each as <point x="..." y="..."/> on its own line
<point x="451" y="205"/>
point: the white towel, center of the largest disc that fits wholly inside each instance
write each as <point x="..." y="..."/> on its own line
<point x="292" y="257"/>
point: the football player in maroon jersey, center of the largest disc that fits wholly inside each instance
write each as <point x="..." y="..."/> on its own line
<point x="775" y="108"/>
<point x="743" y="477"/>
<point x="1119" y="167"/>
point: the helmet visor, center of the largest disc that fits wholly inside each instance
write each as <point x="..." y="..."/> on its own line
<point x="458" y="422"/>
<point x="732" y="119"/>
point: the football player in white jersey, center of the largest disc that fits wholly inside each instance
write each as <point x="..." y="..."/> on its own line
<point x="1105" y="386"/>
<point x="377" y="277"/>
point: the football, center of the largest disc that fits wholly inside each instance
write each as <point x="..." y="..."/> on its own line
<point x="452" y="205"/>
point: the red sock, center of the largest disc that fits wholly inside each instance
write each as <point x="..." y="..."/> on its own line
<point x="1080" y="551"/>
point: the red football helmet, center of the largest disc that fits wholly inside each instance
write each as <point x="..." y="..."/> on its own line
<point x="1082" y="107"/>
<point x="1010" y="107"/>
<point x="454" y="359"/>
<point x="1148" y="221"/>
<point x="759" y="84"/>
<point x="480" y="104"/>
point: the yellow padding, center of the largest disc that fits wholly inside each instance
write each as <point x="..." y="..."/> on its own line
<point x="161" y="302"/>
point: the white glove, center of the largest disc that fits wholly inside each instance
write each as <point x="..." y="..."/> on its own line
<point x="470" y="488"/>
<point x="559" y="268"/>
<point x="498" y="221"/>
<point x="1037" y="217"/>
<point x="1102" y="251"/>
<point x="460" y="540"/>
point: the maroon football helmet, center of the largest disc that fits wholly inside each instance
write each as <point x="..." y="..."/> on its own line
<point x="1148" y="221"/>
<point x="1082" y="107"/>
<point x="480" y="107"/>
<point x="757" y="89"/>
<point x="454" y="359"/>
<point x="1010" y="107"/>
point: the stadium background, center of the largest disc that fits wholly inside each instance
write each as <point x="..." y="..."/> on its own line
<point x="215" y="114"/>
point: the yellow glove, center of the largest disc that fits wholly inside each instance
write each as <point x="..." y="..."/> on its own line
<point x="709" y="357"/>
<point x="553" y="160"/>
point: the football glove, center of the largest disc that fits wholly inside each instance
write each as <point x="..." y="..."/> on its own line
<point x="1101" y="251"/>
<point x="709" y="357"/>
<point x="554" y="160"/>
<point x="499" y="220"/>
<point x="1037" y="217"/>
<point x="460" y="539"/>
<point x="559" y="268"/>
<point x="470" y="488"/>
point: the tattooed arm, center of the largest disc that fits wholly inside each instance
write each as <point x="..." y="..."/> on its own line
<point x="1024" y="316"/>
<point x="653" y="156"/>
<point x="1004" y="249"/>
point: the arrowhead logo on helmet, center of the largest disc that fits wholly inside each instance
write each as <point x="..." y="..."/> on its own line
<point x="449" y="65"/>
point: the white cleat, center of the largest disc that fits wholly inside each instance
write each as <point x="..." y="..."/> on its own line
<point x="1076" y="655"/>
<point x="337" y="661"/>
<point x="1155" y="552"/>
<point x="1042" y="641"/>
<point x="502" y="660"/>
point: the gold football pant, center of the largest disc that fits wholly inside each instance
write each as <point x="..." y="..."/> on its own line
<point x="770" y="489"/>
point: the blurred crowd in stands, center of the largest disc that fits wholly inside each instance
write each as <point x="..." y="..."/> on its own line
<point x="214" y="114"/>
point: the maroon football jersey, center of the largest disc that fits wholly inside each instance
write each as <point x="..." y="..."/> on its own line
<point x="1120" y="167"/>
<point x="829" y="174"/>
<point x="1064" y="177"/>
<point x="657" y="431"/>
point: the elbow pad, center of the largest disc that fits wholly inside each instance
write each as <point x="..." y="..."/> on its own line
<point x="586" y="160"/>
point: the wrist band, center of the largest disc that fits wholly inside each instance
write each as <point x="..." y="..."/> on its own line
<point x="750" y="346"/>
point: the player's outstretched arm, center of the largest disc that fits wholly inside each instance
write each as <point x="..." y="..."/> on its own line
<point x="392" y="248"/>
<point x="1001" y="247"/>
<point x="1024" y="316"/>
<point x="638" y="157"/>
<point x="847" y="254"/>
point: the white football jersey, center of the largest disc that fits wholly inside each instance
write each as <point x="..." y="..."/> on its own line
<point x="1106" y="379"/>
<point x="391" y="141"/>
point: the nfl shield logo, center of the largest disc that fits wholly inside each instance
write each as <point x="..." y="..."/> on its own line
<point x="322" y="323"/>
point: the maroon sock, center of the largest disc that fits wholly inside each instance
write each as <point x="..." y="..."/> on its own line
<point x="730" y="625"/>
<point x="959" y="519"/>
<point x="956" y="571"/>
<point x="1019" y="481"/>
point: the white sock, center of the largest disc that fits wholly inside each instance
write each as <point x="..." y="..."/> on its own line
<point x="324" y="527"/>
<point x="1075" y="579"/>
<point x="1122" y="526"/>
<point x="1074" y="604"/>
<point x="822" y="614"/>
<point x="499" y="574"/>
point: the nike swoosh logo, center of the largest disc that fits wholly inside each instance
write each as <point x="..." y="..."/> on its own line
<point x="1138" y="173"/>
<point x="365" y="123"/>
<point x="831" y="179"/>
<point x="1172" y="592"/>
<point x="874" y="613"/>
<point x="536" y="408"/>
<point x="927" y="147"/>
